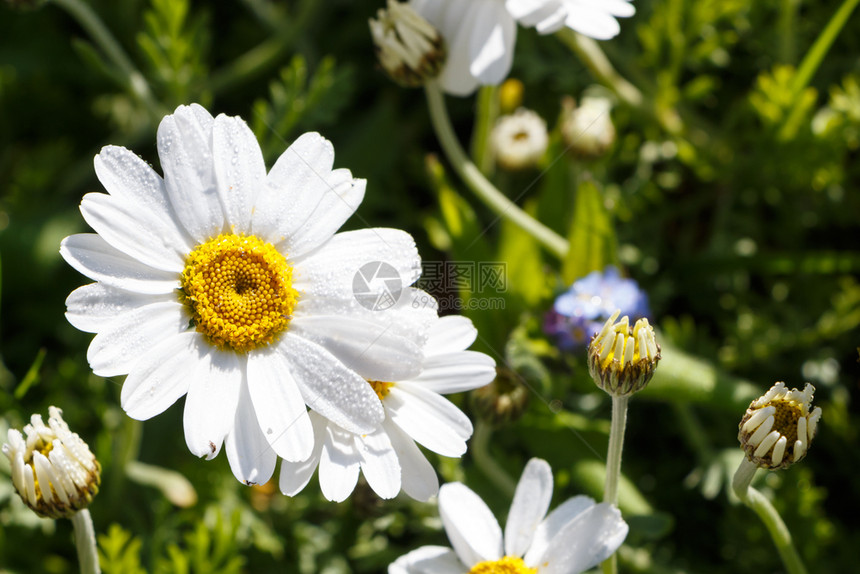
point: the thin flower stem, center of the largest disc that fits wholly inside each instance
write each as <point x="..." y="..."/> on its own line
<point x="135" y="81"/>
<point x="767" y="513"/>
<point x="488" y="112"/>
<point x="813" y="58"/>
<point x="480" y="449"/>
<point x="476" y="180"/>
<point x="85" y="541"/>
<point x="596" y="61"/>
<point x="613" y="464"/>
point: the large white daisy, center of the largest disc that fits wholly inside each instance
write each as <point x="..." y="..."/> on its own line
<point x="574" y="537"/>
<point x="415" y="412"/>
<point x="481" y="33"/>
<point x="228" y="285"/>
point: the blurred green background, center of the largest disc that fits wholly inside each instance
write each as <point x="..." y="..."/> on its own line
<point x="730" y="195"/>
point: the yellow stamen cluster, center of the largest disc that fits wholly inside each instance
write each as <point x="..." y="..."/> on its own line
<point x="622" y="359"/>
<point x="506" y="565"/>
<point x="240" y="291"/>
<point x="381" y="388"/>
<point x="778" y="427"/>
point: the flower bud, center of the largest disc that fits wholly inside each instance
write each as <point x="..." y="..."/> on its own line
<point x="502" y="401"/>
<point x="53" y="469"/>
<point x="587" y="130"/>
<point x="519" y="140"/>
<point x="778" y="427"/>
<point x="622" y="359"/>
<point x="408" y="47"/>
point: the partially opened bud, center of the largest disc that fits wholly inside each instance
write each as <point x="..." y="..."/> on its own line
<point x="409" y="48"/>
<point x="53" y="469"/>
<point x="621" y="358"/>
<point x="778" y="427"/>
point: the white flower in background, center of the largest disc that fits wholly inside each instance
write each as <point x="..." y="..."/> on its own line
<point x="229" y="285"/>
<point x="481" y="34"/>
<point x="53" y="469"/>
<point x="415" y="412"/>
<point x="519" y="140"/>
<point x="574" y="537"/>
<point x="587" y="129"/>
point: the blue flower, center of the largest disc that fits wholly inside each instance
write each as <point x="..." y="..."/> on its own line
<point x="580" y="312"/>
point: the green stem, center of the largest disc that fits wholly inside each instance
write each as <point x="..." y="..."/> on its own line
<point x="480" y="449"/>
<point x="85" y="541"/>
<point x="613" y="464"/>
<point x="767" y="513"/>
<point x="599" y="65"/>
<point x="787" y="18"/>
<point x="135" y="81"/>
<point x="813" y="59"/>
<point x="488" y="111"/>
<point x="476" y="180"/>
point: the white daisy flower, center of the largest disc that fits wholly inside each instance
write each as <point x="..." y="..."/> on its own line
<point x="481" y="33"/>
<point x="519" y="140"/>
<point x="574" y="537"/>
<point x="415" y="412"/>
<point x="228" y="285"/>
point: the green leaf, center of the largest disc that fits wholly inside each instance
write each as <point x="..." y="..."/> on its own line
<point x="592" y="239"/>
<point x="119" y="552"/>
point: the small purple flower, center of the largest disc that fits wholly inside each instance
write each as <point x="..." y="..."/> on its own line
<point x="580" y="312"/>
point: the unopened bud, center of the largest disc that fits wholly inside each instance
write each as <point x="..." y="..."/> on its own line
<point x="621" y="358"/>
<point x="778" y="427"/>
<point x="408" y="47"/>
<point x="53" y="469"/>
<point x="502" y="401"/>
<point x="587" y="129"/>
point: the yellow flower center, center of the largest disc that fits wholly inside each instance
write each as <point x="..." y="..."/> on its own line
<point x="506" y="565"/>
<point x="240" y="291"/>
<point x="788" y="412"/>
<point x="381" y="388"/>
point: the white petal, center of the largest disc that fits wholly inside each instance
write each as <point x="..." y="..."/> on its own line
<point x="491" y="48"/>
<point x="456" y="78"/>
<point x="251" y="458"/>
<point x="162" y="375"/>
<point x="450" y="334"/>
<point x="378" y="463"/>
<point x="136" y="232"/>
<point x="564" y="513"/>
<point x="185" y="149"/>
<point x="239" y="170"/>
<point x="329" y="388"/>
<point x="417" y="477"/>
<point x="304" y="202"/>
<point x="530" y="13"/>
<point x="296" y="475"/>
<point x="120" y="344"/>
<point x="584" y="542"/>
<point x="531" y="501"/>
<point x="456" y="372"/>
<point x="471" y="527"/>
<point x="339" y="465"/>
<point x="92" y="308"/>
<point x="279" y="405"/>
<point x="431" y="420"/>
<point x="411" y="316"/>
<point x="593" y="22"/>
<point x="372" y="350"/>
<point x="211" y="402"/>
<point x="94" y="257"/>
<point x="379" y="257"/>
<point x="428" y="560"/>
